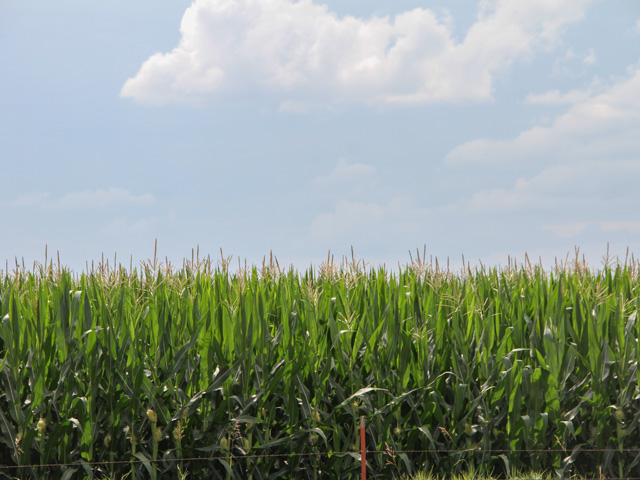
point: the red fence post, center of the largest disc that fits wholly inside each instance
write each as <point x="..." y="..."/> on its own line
<point x="363" y="450"/>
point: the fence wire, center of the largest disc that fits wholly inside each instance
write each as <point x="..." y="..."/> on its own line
<point x="355" y="454"/>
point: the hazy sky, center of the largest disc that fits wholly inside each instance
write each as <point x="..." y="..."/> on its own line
<point x="487" y="128"/>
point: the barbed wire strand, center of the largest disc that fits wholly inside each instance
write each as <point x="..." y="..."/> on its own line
<point x="389" y="452"/>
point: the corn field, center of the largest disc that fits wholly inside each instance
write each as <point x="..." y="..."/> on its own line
<point x="263" y="373"/>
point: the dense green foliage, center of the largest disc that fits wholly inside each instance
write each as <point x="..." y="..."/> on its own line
<point x="493" y="370"/>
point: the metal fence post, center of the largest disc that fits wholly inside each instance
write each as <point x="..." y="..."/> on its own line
<point x="363" y="450"/>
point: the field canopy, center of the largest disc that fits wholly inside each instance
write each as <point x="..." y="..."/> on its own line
<point x="264" y="373"/>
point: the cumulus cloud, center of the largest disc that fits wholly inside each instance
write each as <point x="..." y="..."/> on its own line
<point x="574" y="65"/>
<point x="562" y="188"/>
<point x="589" y="58"/>
<point x="555" y="97"/>
<point x="567" y="230"/>
<point x="345" y="172"/>
<point x="355" y="181"/>
<point x="103" y="198"/>
<point x="601" y="126"/>
<point x="616" y="226"/>
<point x="32" y="199"/>
<point x="100" y="198"/>
<point x="356" y="213"/>
<point x="584" y="164"/>
<point x="362" y="222"/>
<point x="120" y="226"/>
<point x="307" y="54"/>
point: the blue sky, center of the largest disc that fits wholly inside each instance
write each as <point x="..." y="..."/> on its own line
<point x="488" y="129"/>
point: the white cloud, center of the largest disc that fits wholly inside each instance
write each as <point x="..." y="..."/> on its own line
<point x="345" y="172"/>
<point x="554" y="97"/>
<point x="32" y="199"/>
<point x="601" y="127"/>
<point x="353" y="217"/>
<point x="574" y="65"/>
<point x="309" y="55"/>
<point x="87" y="199"/>
<point x="616" y="226"/>
<point x="589" y="58"/>
<point x="355" y="181"/>
<point x="567" y="230"/>
<point x="638" y="25"/>
<point x="103" y="198"/>
<point x="347" y="216"/>
<point x="297" y="106"/>
<point x="360" y="222"/>
<point x="120" y="226"/>
<point x="580" y="187"/>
